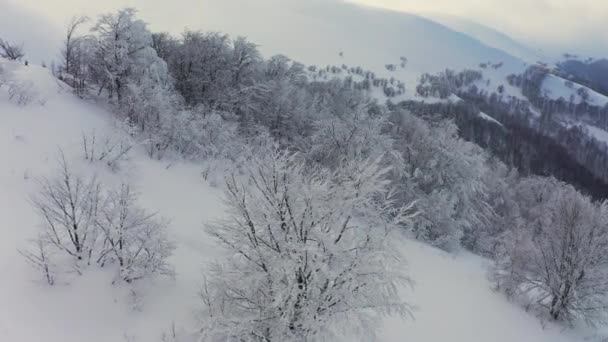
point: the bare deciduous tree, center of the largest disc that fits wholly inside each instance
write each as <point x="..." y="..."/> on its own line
<point x="84" y="222"/>
<point x="39" y="255"/>
<point x="70" y="42"/>
<point x="68" y="205"/>
<point x="133" y="238"/>
<point x="10" y="50"/>
<point x="76" y="55"/>
<point x="109" y="149"/>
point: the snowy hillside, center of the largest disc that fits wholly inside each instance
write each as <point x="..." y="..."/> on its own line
<point x="339" y="33"/>
<point x="89" y="308"/>
<point x="453" y="298"/>
<point x="555" y="87"/>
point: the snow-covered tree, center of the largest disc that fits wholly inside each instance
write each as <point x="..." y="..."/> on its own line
<point x="308" y="254"/>
<point x="201" y="68"/>
<point x="443" y="173"/>
<point x="500" y="208"/>
<point x="204" y="134"/>
<point x="122" y="42"/>
<point x="557" y="260"/>
<point x="127" y="66"/>
<point x="246" y="59"/>
<point x="346" y="123"/>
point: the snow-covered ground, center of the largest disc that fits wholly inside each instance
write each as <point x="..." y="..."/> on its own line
<point x="555" y="87"/>
<point x="489" y="118"/>
<point x="453" y="297"/>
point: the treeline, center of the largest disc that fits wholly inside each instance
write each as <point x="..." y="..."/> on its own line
<point x="519" y="145"/>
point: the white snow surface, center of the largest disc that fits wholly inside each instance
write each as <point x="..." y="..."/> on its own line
<point x="453" y="297"/>
<point x="489" y="118"/>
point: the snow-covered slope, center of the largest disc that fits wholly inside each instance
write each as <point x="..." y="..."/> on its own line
<point x="555" y="87"/>
<point x="317" y="31"/>
<point x="89" y="308"/>
<point x="453" y="298"/>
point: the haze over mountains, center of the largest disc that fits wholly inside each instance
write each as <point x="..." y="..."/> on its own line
<point x="314" y="31"/>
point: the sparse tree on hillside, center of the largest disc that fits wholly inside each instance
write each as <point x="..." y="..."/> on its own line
<point x="134" y="239"/>
<point x="68" y="205"/>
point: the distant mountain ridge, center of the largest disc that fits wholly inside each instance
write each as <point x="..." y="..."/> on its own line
<point x="489" y="36"/>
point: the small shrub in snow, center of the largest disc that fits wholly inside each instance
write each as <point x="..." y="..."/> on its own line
<point x="22" y="92"/>
<point x="38" y="255"/>
<point x="111" y="150"/>
<point x="132" y="238"/>
<point x="87" y="224"/>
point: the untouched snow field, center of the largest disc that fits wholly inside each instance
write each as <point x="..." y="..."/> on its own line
<point x="453" y="298"/>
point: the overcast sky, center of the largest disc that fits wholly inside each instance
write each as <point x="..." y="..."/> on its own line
<point x="555" y="26"/>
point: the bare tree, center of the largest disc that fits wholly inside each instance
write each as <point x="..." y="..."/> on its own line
<point x="10" y="50"/>
<point x="38" y="255"/>
<point x="68" y="205"/>
<point x="132" y="237"/>
<point x="75" y="54"/>
<point x="70" y="42"/>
